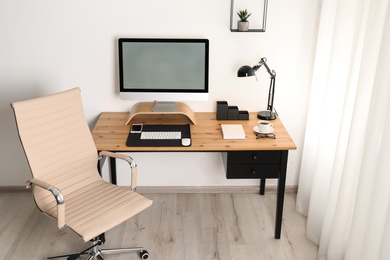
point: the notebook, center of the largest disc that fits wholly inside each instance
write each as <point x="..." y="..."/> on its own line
<point x="233" y="131"/>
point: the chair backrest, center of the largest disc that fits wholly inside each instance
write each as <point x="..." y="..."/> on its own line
<point x="57" y="141"/>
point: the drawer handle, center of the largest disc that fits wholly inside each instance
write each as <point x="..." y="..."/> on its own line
<point x="254" y="157"/>
<point x="253" y="172"/>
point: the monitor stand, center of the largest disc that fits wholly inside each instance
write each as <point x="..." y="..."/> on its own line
<point x="162" y="106"/>
<point x="147" y="108"/>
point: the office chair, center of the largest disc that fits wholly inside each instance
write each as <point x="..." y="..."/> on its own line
<point x="66" y="183"/>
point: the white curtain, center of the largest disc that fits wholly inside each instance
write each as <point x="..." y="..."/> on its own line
<point x="344" y="185"/>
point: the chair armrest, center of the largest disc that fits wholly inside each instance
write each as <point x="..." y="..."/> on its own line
<point x="55" y="191"/>
<point x="132" y="163"/>
<point x="57" y="195"/>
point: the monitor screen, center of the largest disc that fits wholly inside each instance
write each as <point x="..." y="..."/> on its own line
<point x="163" y="69"/>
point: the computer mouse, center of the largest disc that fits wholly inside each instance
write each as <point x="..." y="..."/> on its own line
<point x="186" y="141"/>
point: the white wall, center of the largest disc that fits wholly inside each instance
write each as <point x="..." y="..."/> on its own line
<point x="48" y="46"/>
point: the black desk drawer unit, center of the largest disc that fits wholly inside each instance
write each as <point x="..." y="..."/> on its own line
<point x="252" y="164"/>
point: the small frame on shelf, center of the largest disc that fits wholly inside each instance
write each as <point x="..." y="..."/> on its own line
<point x="258" y="18"/>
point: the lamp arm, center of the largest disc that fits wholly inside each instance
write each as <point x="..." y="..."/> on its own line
<point x="272" y="73"/>
<point x="263" y="61"/>
<point x="271" y="92"/>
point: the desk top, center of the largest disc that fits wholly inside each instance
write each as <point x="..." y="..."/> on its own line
<point x="110" y="133"/>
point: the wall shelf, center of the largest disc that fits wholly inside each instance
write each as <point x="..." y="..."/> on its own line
<point x="250" y="30"/>
<point x="258" y="19"/>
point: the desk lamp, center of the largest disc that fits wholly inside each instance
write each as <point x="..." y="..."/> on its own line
<point x="248" y="71"/>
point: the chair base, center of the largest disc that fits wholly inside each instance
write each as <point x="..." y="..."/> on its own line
<point x="94" y="252"/>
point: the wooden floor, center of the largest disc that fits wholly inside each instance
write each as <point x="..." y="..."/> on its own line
<point x="177" y="226"/>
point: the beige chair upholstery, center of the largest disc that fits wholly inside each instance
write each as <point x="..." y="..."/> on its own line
<point x="63" y="159"/>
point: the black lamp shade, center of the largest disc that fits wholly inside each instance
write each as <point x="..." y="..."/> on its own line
<point x="245" y="71"/>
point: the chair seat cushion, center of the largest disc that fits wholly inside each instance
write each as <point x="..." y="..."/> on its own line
<point x="98" y="207"/>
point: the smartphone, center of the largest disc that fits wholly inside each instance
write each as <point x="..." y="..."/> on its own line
<point x="136" y="128"/>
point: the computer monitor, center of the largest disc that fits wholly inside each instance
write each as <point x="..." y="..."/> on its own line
<point x="164" y="69"/>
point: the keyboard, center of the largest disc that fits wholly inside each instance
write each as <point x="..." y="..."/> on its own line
<point x="162" y="135"/>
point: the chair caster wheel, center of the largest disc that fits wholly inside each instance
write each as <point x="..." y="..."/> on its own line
<point x="144" y="254"/>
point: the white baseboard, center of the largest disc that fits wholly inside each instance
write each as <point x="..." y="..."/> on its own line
<point x="14" y="188"/>
<point x="212" y="189"/>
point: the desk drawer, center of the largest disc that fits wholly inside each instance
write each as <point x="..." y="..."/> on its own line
<point x="252" y="164"/>
<point x="252" y="171"/>
<point x="253" y="157"/>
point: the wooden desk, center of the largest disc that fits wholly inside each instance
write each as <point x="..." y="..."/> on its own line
<point x="248" y="158"/>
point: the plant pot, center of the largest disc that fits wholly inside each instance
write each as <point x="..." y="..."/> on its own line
<point x="242" y="26"/>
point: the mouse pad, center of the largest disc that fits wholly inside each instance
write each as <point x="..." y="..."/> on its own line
<point x="134" y="138"/>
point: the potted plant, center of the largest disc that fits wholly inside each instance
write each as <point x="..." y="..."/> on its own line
<point x="243" y="23"/>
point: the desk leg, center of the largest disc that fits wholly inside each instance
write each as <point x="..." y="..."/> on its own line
<point x="280" y="194"/>
<point x="113" y="170"/>
<point x="262" y="186"/>
<point x="100" y="164"/>
<point x="99" y="168"/>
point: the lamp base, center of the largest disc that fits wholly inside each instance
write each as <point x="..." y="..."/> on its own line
<point x="266" y="115"/>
